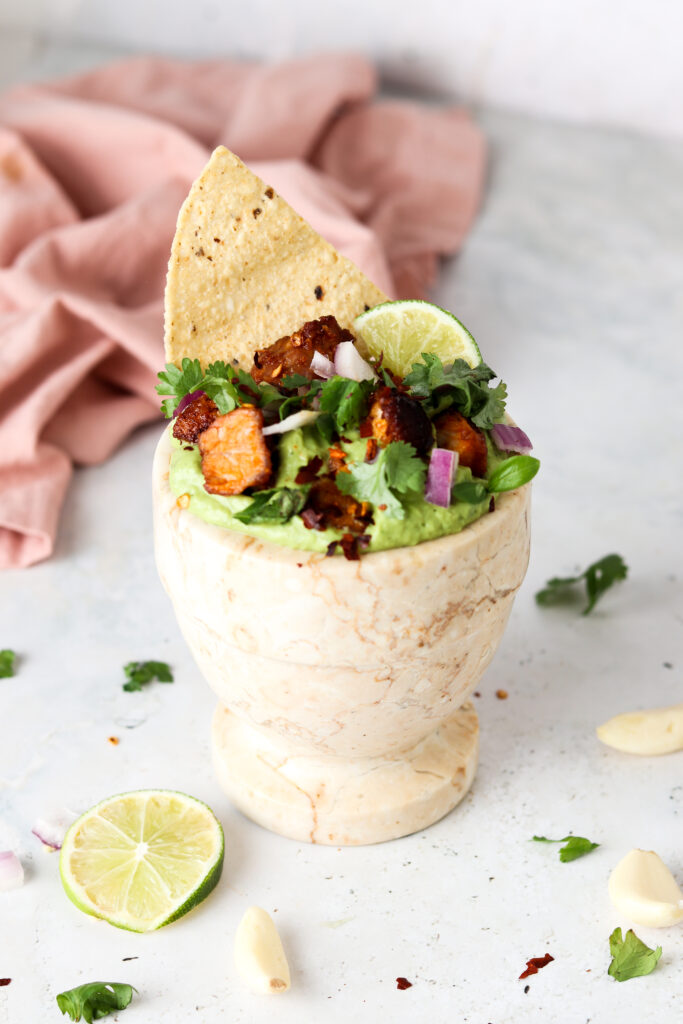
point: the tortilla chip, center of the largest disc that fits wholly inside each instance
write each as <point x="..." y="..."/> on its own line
<point x="245" y="270"/>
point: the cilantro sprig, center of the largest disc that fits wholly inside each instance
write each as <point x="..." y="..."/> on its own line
<point x="7" y="659"/>
<point x="463" y="386"/>
<point x="575" y="846"/>
<point x="227" y="385"/>
<point x="95" y="1000"/>
<point x="397" y="470"/>
<point x="598" y="577"/>
<point x="139" y="673"/>
<point x="274" y="506"/>
<point x="631" y="958"/>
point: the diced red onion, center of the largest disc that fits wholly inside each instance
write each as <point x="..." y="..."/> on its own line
<point x="303" y="418"/>
<point x="11" y="871"/>
<point x="323" y="366"/>
<point x="510" y="439"/>
<point x="442" y="466"/>
<point x="348" y="362"/>
<point x="187" y="400"/>
<point x="51" y="831"/>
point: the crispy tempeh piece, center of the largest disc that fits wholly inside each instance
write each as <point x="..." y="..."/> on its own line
<point x="294" y="353"/>
<point x="235" y="455"/>
<point x="195" y="419"/>
<point x="339" y="511"/>
<point x="455" y="432"/>
<point x="394" y="416"/>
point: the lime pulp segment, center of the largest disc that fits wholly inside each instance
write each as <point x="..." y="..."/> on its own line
<point x="402" y="331"/>
<point x="140" y="860"/>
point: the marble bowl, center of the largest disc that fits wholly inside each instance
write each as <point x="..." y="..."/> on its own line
<point x="343" y="715"/>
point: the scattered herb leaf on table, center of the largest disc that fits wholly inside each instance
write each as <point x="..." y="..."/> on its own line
<point x="576" y="846"/>
<point x="631" y="958"/>
<point x="598" y="577"/>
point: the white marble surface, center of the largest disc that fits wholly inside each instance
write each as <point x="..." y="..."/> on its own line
<point x="571" y="282"/>
<point x="591" y="61"/>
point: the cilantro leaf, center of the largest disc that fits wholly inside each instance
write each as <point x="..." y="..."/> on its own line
<point x="598" y="577"/>
<point x="275" y="506"/>
<point x="576" y="846"/>
<point x="396" y="470"/>
<point x="7" y="659"/>
<point x="461" y="385"/>
<point x="513" y="473"/>
<point x="139" y="673"/>
<point x="178" y="383"/>
<point x="345" y="400"/>
<point x="96" y="1000"/>
<point x="631" y="958"/>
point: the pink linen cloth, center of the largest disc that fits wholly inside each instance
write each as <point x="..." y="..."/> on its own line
<point x="93" y="170"/>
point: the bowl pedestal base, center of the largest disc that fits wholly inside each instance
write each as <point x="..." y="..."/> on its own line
<point x="345" y="801"/>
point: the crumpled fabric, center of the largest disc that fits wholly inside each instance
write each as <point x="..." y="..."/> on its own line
<point x="93" y="171"/>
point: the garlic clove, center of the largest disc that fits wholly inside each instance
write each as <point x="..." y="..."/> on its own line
<point x="658" y="731"/>
<point x="259" y="956"/>
<point x="643" y="889"/>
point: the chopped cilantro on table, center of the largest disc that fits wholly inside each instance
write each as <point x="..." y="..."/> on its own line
<point x="95" y="1000"/>
<point x="396" y="470"/>
<point x="7" y="659"/>
<point x="576" y="846"/>
<point x="274" y="506"/>
<point x="139" y="673"/>
<point x="461" y="386"/>
<point x="631" y="958"/>
<point x="598" y="577"/>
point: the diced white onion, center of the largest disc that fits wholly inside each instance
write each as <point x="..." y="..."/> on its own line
<point x="322" y="366"/>
<point x="348" y="362"/>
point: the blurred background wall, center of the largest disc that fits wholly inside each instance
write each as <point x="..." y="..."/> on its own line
<point x="589" y="61"/>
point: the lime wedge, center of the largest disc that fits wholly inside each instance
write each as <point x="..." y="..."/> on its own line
<point x="404" y="330"/>
<point x="140" y="860"/>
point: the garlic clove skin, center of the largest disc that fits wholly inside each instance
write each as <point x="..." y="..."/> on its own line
<point x="643" y="889"/>
<point x="658" y="731"/>
<point x="259" y="956"/>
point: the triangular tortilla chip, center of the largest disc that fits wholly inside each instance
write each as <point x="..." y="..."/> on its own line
<point x="245" y="270"/>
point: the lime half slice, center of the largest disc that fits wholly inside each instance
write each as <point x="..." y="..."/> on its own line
<point x="140" y="860"/>
<point x="404" y="330"/>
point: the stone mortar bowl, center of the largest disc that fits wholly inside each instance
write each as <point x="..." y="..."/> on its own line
<point x="342" y="685"/>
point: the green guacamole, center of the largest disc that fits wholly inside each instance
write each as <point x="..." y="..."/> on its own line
<point x="421" y="521"/>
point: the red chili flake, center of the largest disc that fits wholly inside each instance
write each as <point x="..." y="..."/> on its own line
<point x="403" y="983"/>
<point x="337" y="461"/>
<point x="365" y="428"/>
<point x="349" y="545"/>
<point x="382" y="508"/>
<point x="308" y="473"/>
<point x="5" y="981"/>
<point x="114" y="740"/>
<point x="502" y="694"/>
<point x="312" y="520"/>
<point x="534" y="965"/>
<point x="371" y="450"/>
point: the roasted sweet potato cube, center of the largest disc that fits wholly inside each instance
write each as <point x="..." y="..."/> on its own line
<point x="339" y="511"/>
<point x="235" y="455"/>
<point x="455" y="432"/>
<point x="395" y="416"/>
<point x="195" y="419"/>
<point x="293" y="354"/>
